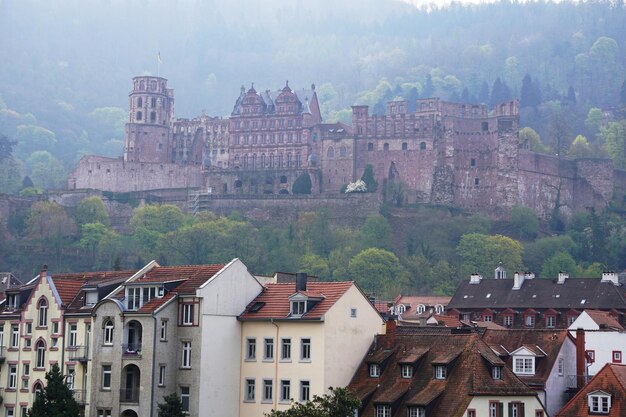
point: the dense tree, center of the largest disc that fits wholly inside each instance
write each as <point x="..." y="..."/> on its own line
<point x="622" y="94"/>
<point x="171" y="406"/>
<point x="91" y="210"/>
<point x="369" y="179"/>
<point x="150" y="222"/>
<point x="6" y="147"/>
<point x="48" y="223"/>
<point x="594" y="119"/>
<point x="536" y="253"/>
<point x="302" y="184"/>
<point x="482" y="253"/>
<point x="314" y="264"/>
<point x="559" y="262"/>
<point x="10" y="175"/>
<point x="530" y="94"/>
<point x="378" y="271"/>
<point x="56" y="399"/>
<point x="530" y="139"/>
<point x="500" y="93"/>
<point x="560" y="133"/>
<point x="91" y="235"/>
<point x="524" y="222"/>
<point x="339" y="402"/>
<point x="45" y="170"/>
<point x="33" y="138"/>
<point x="376" y="233"/>
<point x="614" y="136"/>
<point x="580" y="148"/>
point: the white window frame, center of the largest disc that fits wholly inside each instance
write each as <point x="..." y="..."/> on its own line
<point x="551" y="321"/>
<point x="163" y="332"/>
<point x="617" y="356"/>
<point x="106" y="377"/>
<point x="268" y="390"/>
<point x="250" y="391"/>
<point x="42" y="319"/>
<point x="524" y="365"/>
<point x="15" y="336"/>
<point x="374" y="370"/>
<point x="186" y="355"/>
<point x="12" y="382"/>
<point x="251" y="349"/>
<point x="268" y="349"/>
<point x="421" y="308"/>
<point x="599" y="402"/>
<point x="353" y="312"/>
<point x="40" y="347"/>
<point x="406" y="371"/>
<point x="383" y="410"/>
<point x="285" y="391"/>
<point x="561" y="366"/>
<point x="496" y="372"/>
<point x="185" y="398"/>
<point x="508" y="320"/>
<point x="73" y="339"/>
<point x="440" y="372"/>
<point x="416" y="412"/>
<point x="298" y="307"/>
<point x="305" y="349"/>
<point x="188" y="312"/>
<point x="109" y="329"/>
<point x="162" y="375"/>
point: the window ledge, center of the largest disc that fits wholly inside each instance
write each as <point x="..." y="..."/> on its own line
<point x="185" y="368"/>
<point x="250" y="360"/>
<point x="268" y="360"/>
<point x="305" y="361"/>
<point x="249" y="401"/>
<point x="285" y="360"/>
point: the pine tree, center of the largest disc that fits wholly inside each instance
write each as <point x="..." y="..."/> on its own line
<point x="171" y="406"/>
<point x="56" y="399"/>
<point x="429" y="88"/>
<point x="302" y="184"/>
<point x="526" y="92"/>
<point x="369" y="179"/>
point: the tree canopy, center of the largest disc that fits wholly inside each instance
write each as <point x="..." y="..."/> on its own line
<point x="339" y="402"/>
<point x="56" y="399"/>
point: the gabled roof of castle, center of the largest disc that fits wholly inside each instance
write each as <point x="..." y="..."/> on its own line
<point x="574" y="293"/>
<point x="273" y="302"/>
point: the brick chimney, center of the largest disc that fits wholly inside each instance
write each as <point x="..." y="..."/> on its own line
<point x="390" y="333"/>
<point x="301" y="279"/>
<point x="581" y="361"/>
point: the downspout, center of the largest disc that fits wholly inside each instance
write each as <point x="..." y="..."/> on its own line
<point x="275" y="397"/>
<point x="153" y="364"/>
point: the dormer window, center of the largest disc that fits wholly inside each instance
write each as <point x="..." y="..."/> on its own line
<point x="524" y="365"/>
<point x="407" y="371"/>
<point x="496" y="372"/>
<point x="374" y="370"/>
<point x="599" y="402"/>
<point x="439" y="309"/>
<point x="440" y="372"/>
<point x="298" y="308"/>
<point x="417" y="412"/>
<point x="13" y="301"/>
<point x="138" y="296"/>
<point x="421" y="308"/>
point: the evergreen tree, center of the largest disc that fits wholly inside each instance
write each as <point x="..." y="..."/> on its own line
<point x="56" y="399"/>
<point x="171" y="406"/>
<point x="429" y="87"/>
<point x="6" y="147"/>
<point x="526" y="91"/>
<point x="302" y="184"/>
<point x="369" y="179"/>
<point x="483" y="95"/>
<point x="411" y="98"/>
<point x="499" y="92"/>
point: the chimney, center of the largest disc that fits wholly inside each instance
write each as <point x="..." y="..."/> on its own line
<point x="301" y="281"/>
<point x="518" y="280"/>
<point x="562" y="277"/>
<point x="581" y="362"/>
<point x="44" y="271"/>
<point x="390" y="333"/>
<point x="611" y="277"/>
<point x="529" y="275"/>
<point x="475" y="278"/>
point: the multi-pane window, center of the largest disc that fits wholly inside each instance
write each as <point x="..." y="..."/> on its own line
<point x="617" y="356"/>
<point x="250" y="349"/>
<point x="406" y="371"/>
<point x="15" y="335"/>
<point x="25" y="375"/>
<point x="285" y="349"/>
<point x="298" y="308"/>
<point x="108" y="332"/>
<point x="530" y="320"/>
<point x="417" y="412"/>
<point x="305" y="349"/>
<point x="494" y="409"/>
<point x="186" y="362"/>
<point x="383" y="410"/>
<point x="561" y="365"/>
<point x="69" y="379"/>
<point x="305" y="391"/>
<point x="599" y="403"/>
<point x="184" y="398"/>
<point x="187" y="314"/>
<point x="10" y="412"/>
<point x="374" y="370"/>
<point x="250" y="389"/>
<point x="104" y="412"/>
<point x="163" y="330"/>
<point x="161" y="375"/>
<point x="268" y="349"/>
<point x="73" y="341"/>
<point x="43" y="313"/>
<point x="268" y="390"/>
<point x="41" y="354"/>
<point x="12" y="383"/>
<point x="23" y="411"/>
<point x="550" y="321"/>
<point x="508" y="320"/>
<point x="106" y="376"/>
<point x="525" y="366"/>
<point x="496" y="372"/>
<point x="285" y="390"/>
<point x="471" y="413"/>
<point x="440" y="372"/>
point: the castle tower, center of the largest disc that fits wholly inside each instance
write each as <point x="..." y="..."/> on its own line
<point x="151" y="106"/>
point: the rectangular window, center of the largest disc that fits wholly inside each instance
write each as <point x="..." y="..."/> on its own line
<point x="530" y="320"/>
<point x="305" y="349"/>
<point x="617" y="356"/>
<point x="73" y="335"/>
<point x="551" y="321"/>
<point x="15" y="335"/>
<point x="305" y="391"/>
<point x="23" y="411"/>
<point x="106" y="376"/>
<point x="353" y="312"/>
<point x="488" y="318"/>
<point x="250" y="389"/>
<point x="383" y="411"/>
<point x="495" y="409"/>
<point x="525" y="366"/>
<point x="268" y="349"/>
<point x="29" y="329"/>
<point x="417" y="412"/>
<point x="508" y="321"/>
<point x="374" y="370"/>
<point x="516" y="409"/>
<point x="163" y="330"/>
<point x="186" y="360"/>
<point x="26" y="369"/>
<point x="268" y="390"/>
<point x="561" y="367"/>
<point x="285" y="350"/>
<point x="440" y="372"/>
<point x="10" y="412"/>
<point x="539" y="413"/>
<point x="285" y="390"/>
<point x="298" y="308"/>
<point x="407" y="371"/>
<point x="12" y="377"/>
<point x="496" y="372"/>
<point x="188" y="314"/>
<point x="184" y="398"/>
<point x="161" y="375"/>
<point x="592" y="355"/>
<point x="106" y="412"/>
<point x="250" y="349"/>
<point x="471" y="413"/>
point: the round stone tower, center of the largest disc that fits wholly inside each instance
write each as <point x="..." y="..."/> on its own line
<point x="151" y="106"/>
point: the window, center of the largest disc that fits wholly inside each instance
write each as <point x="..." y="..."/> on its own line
<point x="15" y="336"/>
<point x="561" y="366"/>
<point x="41" y="354"/>
<point x="104" y="412"/>
<point x="473" y="162"/>
<point x="488" y="318"/>
<point x="417" y="412"/>
<point x="163" y="330"/>
<point x="268" y="390"/>
<point x="525" y="366"/>
<point x="250" y="349"/>
<point x="539" y="413"/>
<point x="69" y="379"/>
<point x="250" y="388"/>
<point x="421" y="308"/>
<point x="495" y="409"/>
<point x="186" y="362"/>
<point x="305" y="349"/>
<point x="108" y="332"/>
<point x="12" y="384"/>
<point x="516" y="409"/>
<point x="385" y="147"/>
<point x="23" y="411"/>
<point x="184" y="398"/>
<point x="471" y="413"/>
<point x="353" y="312"/>
<point x="55" y="327"/>
<point x="571" y="320"/>
<point x="439" y="309"/>
<point x="298" y="308"/>
<point x="161" y="375"/>
<point x="187" y="314"/>
<point x="305" y="391"/>
<point x="73" y="335"/>
<point x="106" y="376"/>
<point x="10" y="412"/>
<point x="268" y="349"/>
<point x="592" y="355"/>
<point x="599" y="402"/>
<point x="405" y="146"/>
<point x="422" y="146"/>
<point x="406" y="371"/>
<point x="383" y="411"/>
<point x="508" y="320"/>
<point x="529" y="320"/>
<point x="330" y="152"/>
<point x="370" y="146"/>
<point x="138" y="115"/>
<point x="43" y="313"/>
<point x="550" y="321"/>
<point x="25" y="375"/>
<point x="440" y="372"/>
<point x="496" y="372"/>
<point x="285" y="350"/>
<point x="374" y="370"/>
<point x="476" y="182"/>
<point x="285" y="390"/>
<point x="617" y="356"/>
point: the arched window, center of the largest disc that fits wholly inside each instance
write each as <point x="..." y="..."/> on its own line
<point x="262" y="160"/>
<point x="142" y="85"/>
<point x="245" y="161"/>
<point x="138" y="115"/>
<point x="108" y="332"/>
<point x="37" y="389"/>
<point x="422" y="145"/>
<point x="139" y="102"/>
<point x="421" y="308"/>
<point x="405" y="146"/>
<point x="43" y="313"/>
<point x="41" y="354"/>
<point x="153" y="102"/>
<point x="439" y="309"/>
<point x="370" y="146"/>
<point x="386" y="147"/>
<point x="343" y="152"/>
<point x="330" y="152"/>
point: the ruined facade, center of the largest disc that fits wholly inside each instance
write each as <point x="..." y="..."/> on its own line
<point x="440" y="153"/>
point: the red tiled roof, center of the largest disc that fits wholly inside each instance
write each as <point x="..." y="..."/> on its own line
<point x="604" y="319"/>
<point x="193" y="275"/>
<point x="69" y="285"/>
<point x="276" y="299"/>
<point x="448" y="321"/>
<point x="155" y="303"/>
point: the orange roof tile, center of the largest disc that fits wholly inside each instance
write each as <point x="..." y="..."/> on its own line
<point x="192" y="275"/>
<point x="277" y="306"/>
<point x="604" y="319"/>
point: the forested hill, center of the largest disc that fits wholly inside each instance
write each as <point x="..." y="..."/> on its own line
<point x="66" y="66"/>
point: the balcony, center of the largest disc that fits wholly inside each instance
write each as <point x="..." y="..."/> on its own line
<point x="129" y="395"/>
<point x="80" y="396"/>
<point x="132" y="350"/>
<point x="78" y="353"/>
<point x="3" y="354"/>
